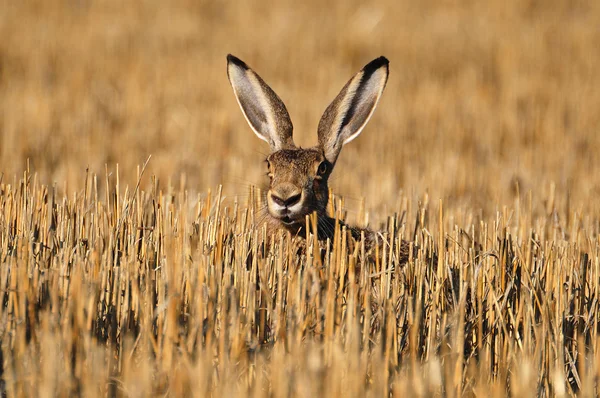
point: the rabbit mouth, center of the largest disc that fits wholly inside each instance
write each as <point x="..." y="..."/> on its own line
<point x="290" y="219"/>
<point x="287" y="220"/>
<point x="288" y="216"/>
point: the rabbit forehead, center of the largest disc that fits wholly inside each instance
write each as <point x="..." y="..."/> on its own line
<point x="300" y="159"/>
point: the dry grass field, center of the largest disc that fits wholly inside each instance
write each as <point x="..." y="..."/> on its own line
<point x="131" y="259"/>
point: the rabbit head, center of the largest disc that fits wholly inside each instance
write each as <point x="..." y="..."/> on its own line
<point x="298" y="177"/>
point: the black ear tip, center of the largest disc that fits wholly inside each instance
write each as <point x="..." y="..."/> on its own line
<point x="376" y="64"/>
<point x="383" y="60"/>
<point x="232" y="59"/>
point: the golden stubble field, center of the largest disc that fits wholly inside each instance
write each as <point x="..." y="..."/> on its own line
<point x="123" y="276"/>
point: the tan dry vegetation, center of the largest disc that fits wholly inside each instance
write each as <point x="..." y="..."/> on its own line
<point x="110" y="288"/>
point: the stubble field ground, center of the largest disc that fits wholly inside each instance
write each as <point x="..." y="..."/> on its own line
<point x="130" y="260"/>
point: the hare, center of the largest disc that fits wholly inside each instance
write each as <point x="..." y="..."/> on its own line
<point x="298" y="177"/>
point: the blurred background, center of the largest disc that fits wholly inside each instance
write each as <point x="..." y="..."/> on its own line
<point x="486" y="101"/>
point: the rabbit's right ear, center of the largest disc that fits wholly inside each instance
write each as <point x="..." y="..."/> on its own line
<point x="265" y="112"/>
<point x="350" y="111"/>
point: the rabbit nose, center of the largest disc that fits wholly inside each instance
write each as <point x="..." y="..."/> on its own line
<point x="287" y="202"/>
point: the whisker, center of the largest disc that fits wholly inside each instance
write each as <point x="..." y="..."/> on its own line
<point x="327" y="227"/>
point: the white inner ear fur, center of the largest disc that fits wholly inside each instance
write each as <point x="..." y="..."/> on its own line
<point x="371" y="92"/>
<point x="361" y="95"/>
<point x="343" y="111"/>
<point x="247" y="88"/>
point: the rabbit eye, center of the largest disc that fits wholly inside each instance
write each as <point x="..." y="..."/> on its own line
<point x="322" y="168"/>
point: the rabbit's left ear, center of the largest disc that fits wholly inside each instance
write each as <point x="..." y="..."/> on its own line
<point x="350" y="111"/>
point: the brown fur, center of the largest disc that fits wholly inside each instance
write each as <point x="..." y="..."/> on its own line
<point x="298" y="177"/>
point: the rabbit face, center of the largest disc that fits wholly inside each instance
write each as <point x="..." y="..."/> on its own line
<point x="298" y="184"/>
<point x="299" y="176"/>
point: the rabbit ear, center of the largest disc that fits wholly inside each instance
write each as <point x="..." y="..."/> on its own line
<point x="350" y="111"/>
<point x="263" y="109"/>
